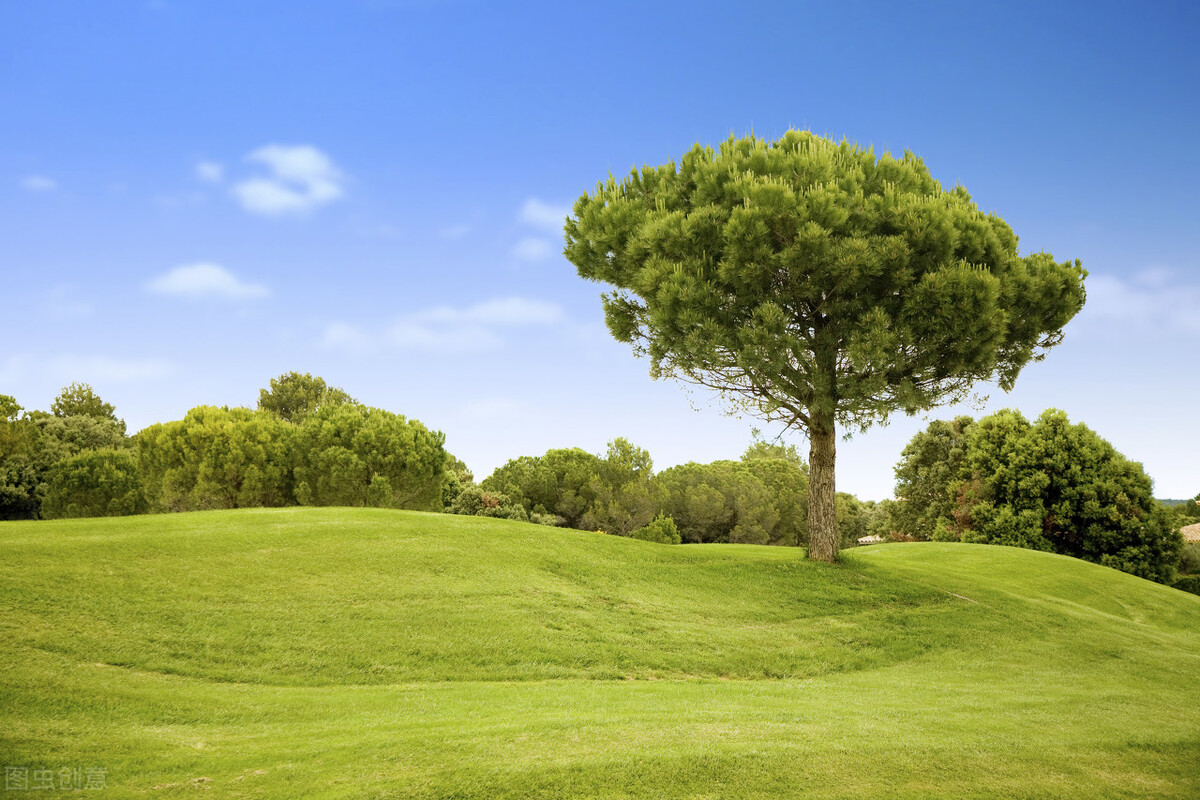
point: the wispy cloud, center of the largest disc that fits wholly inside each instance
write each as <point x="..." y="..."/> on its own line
<point x="205" y="280"/>
<point x="1152" y="301"/>
<point x="38" y="183"/>
<point x="547" y="216"/>
<point x="300" y="178"/>
<point x="210" y="171"/>
<point x="447" y="329"/>
<point x="346" y="338"/>
<point x="532" y="249"/>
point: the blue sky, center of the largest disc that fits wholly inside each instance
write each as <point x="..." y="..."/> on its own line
<point x="196" y="197"/>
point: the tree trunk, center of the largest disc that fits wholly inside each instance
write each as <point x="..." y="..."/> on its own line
<point x="822" y="496"/>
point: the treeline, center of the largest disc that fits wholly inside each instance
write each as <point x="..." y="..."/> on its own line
<point x="305" y="444"/>
<point x="1046" y="485"/>
<point x="761" y="499"/>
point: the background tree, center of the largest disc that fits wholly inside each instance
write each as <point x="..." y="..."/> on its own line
<point x="18" y="477"/>
<point x="79" y="399"/>
<point x="33" y="442"/>
<point x="218" y="458"/>
<point x="293" y="396"/>
<point x="94" y="483"/>
<point x="354" y="455"/>
<point x="817" y="285"/>
<point x="785" y="475"/>
<point x="927" y="477"/>
<point x="1047" y="485"/>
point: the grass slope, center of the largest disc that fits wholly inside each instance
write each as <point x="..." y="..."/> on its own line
<point x="363" y="653"/>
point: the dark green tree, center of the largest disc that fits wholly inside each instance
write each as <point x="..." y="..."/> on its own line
<point x="1046" y="485"/>
<point x="928" y="477"/>
<point x="818" y="285"/>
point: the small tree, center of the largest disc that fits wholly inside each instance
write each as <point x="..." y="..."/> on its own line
<point x="81" y="399"/>
<point x="661" y="529"/>
<point x="817" y="285"/>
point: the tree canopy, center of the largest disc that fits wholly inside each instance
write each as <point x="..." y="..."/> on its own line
<point x="1046" y="485"/>
<point x="817" y="284"/>
<point x="293" y="396"/>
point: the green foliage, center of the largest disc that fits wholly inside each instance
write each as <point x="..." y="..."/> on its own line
<point x="1191" y="509"/>
<point x="1189" y="559"/>
<point x="1188" y="583"/>
<point x="32" y="443"/>
<point x="1047" y="485"/>
<point x="94" y="483"/>
<point x="719" y="502"/>
<point x="561" y="482"/>
<point x="79" y="399"/>
<point x="614" y="493"/>
<point x="479" y="502"/>
<point x="759" y="449"/>
<point x="784" y="475"/>
<point x="661" y="529"/>
<point x="217" y="458"/>
<point x="817" y="284"/>
<point x="456" y="477"/>
<point x="353" y="455"/>
<point x="293" y="396"/>
<point x="927" y="477"/>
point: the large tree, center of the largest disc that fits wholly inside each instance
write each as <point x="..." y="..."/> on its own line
<point x="818" y="285"/>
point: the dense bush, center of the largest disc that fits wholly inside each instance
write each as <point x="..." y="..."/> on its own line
<point x="217" y="458"/>
<point x="32" y="443"/>
<point x="1047" y="485"/>
<point x="1188" y="583"/>
<point x="479" y="502"/>
<point x="661" y="530"/>
<point x="95" y="483"/>
<point x="354" y="455"/>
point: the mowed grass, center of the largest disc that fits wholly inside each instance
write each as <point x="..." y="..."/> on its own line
<point x="335" y="653"/>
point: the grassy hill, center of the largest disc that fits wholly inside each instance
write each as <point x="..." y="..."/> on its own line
<point x="365" y="653"/>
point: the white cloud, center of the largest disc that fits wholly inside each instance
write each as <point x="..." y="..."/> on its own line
<point x="544" y="215"/>
<point x="1152" y="301"/>
<point x="472" y="328"/>
<point x="210" y="171"/>
<point x="105" y="369"/>
<point x="39" y="183"/>
<point x="300" y="179"/>
<point x="413" y="335"/>
<point x="205" y="280"/>
<point x="343" y="337"/>
<point x="532" y="249"/>
<point x="509" y="311"/>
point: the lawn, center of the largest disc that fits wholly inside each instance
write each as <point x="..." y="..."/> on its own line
<point x="334" y="653"/>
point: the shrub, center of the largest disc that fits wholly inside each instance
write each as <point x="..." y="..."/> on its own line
<point x="479" y="502"/>
<point x="1188" y="583"/>
<point x="661" y="529"/>
<point x="95" y="483"/>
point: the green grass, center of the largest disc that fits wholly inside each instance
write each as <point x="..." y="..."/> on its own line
<point x="362" y="653"/>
